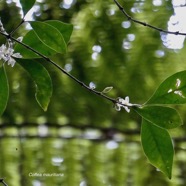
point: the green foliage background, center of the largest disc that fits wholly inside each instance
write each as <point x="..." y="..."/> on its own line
<point x="135" y="72"/>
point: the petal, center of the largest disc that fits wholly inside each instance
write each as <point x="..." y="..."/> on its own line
<point x="127" y="99"/>
<point x="11" y="62"/>
<point x="5" y="58"/>
<point x="3" y="47"/>
<point x="127" y="109"/>
<point x="120" y="100"/>
<point x="1" y="56"/>
<point x="10" y="51"/>
<point x="117" y="107"/>
<point x="17" y="55"/>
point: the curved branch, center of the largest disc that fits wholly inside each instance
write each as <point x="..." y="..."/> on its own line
<point x="8" y="36"/>
<point x="146" y="24"/>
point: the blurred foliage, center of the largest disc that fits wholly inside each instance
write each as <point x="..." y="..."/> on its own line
<point x="106" y="50"/>
<point x="76" y="162"/>
<point x="103" y="52"/>
<point x="100" y="47"/>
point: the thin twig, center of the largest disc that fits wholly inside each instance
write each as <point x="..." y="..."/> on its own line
<point x="61" y="69"/>
<point x="12" y="32"/>
<point x="145" y="24"/>
<point x="3" y="182"/>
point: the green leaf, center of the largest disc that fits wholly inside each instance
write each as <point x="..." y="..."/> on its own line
<point x="171" y="91"/>
<point x="27" y="5"/>
<point x="49" y="36"/>
<point x="41" y="79"/>
<point x="158" y="147"/>
<point x="32" y="40"/>
<point x="64" y="28"/>
<point x="4" y="90"/>
<point x="164" y="117"/>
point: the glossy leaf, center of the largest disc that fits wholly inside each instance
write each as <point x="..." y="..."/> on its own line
<point x="49" y="36"/>
<point x="27" y="5"/>
<point x="64" y="28"/>
<point x="41" y="79"/>
<point x="32" y="40"/>
<point x="157" y="146"/>
<point x="164" y="117"/>
<point x="171" y="91"/>
<point x="4" y="90"/>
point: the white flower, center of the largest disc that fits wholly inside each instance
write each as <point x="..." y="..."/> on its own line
<point x="8" y="55"/>
<point x="2" y="51"/>
<point x="123" y="103"/>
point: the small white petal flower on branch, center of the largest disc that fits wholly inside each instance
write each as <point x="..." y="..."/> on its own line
<point x="6" y="51"/>
<point x="7" y="55"/>
<point x="123" y="103"/>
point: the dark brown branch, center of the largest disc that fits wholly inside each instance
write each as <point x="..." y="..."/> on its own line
<point x="98" y="93"/>
<point x="3" y="182"/>
<point x="60" y="68"/>
<point x="145" y="24"/>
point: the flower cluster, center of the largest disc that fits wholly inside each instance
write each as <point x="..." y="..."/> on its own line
<point x="6" y="51"/>
<point x="123" y="103"/>
<point x="7" y="55"/>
